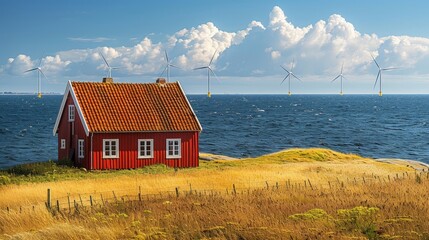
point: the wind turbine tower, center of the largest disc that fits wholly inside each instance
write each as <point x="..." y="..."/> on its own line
<point x="209" y="70"/>
<point x="380" y="70"/>
<point x="39" y="80"/>
<point x="289" y="75"/>
<point x="341" y="76"/>
<point x="167" y="67"/>
<point x="109" y="68"/>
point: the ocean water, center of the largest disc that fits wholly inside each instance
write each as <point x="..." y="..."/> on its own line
<point x="392" y="126"/>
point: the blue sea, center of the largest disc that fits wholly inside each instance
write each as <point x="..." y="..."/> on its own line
<point x="392" y="126"/>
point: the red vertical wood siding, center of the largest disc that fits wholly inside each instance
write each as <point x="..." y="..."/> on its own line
<point x="65" y="132"/>
<point x="128" y="150"/>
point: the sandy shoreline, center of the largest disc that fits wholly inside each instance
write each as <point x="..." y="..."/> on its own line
<point x="417" y="165"/>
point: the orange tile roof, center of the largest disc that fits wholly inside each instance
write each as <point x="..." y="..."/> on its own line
<point x="134" y="107"/>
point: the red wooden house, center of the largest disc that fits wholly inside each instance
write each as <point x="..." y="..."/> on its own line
<point x="106" y="125"/>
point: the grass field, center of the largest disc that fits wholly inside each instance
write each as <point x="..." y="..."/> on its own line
<point x="298" y="194"/>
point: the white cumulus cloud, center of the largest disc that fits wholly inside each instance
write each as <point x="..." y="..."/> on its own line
<point x="200" y="43"/>
<point x="17" y="65"/>
<point x="319" y="48"/>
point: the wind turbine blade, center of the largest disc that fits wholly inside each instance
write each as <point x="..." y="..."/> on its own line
<point x="42" y="73"/>
<point x="166" y="56"/>
<point x="342" y="68"/>
<point x="115" y="67"/>
<point x="163" y="71"/>
<point x="105" y="60"/>
<point x="376" y="80"/>
<point x="199" y="68"/>
<point x="40" y="62"/>
<point x="284" y="79"/>
<point x="211" y="60"/>
<point x="296" y="77"/>
<point x="336" y="78"/>
<point x="214" y="74"/>
<point x="388" y="69"/>
<point x="292" y="65"/>
<point x="172" y="65"/>
<point x="29" y="70"/>
<point x="284" y="69"/>
<point x="375" y="61"/>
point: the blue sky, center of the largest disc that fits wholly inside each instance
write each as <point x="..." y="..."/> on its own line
<point x="252" y="39"/>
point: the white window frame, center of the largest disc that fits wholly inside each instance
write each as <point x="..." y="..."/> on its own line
<point x="71" y="113"/>
<point x="63" y="143"/>
<point x="142" y="154"/>
<point x="81" y="148"/>
<point x="109" y="153"/>
<point x="178" y="150"/>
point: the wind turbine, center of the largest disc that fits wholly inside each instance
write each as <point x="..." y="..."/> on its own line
<point x="209" y="69"/>
<point x="167" y="67"/>
<point x="289" y="74"/>
<point x="341" y="76"/>
<point x="109" y="68"/>
<point x="380" y="70"/>
<point x="39" y="80"/>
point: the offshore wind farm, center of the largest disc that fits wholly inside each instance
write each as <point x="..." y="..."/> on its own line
<point x="177" y="122"/>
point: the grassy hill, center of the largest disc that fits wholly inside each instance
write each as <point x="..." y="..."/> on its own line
<point x="296" y="193"/>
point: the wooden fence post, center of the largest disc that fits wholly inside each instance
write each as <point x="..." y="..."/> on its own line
<point x="268" y="187"/>
<point x="114" y="195"/>
<point x="81" y="202"/>
<point x="68" y="198"/>
<point x="140" y="193"/>
<point x="102" y="200"/>
<point x="90" y="200"/>
<point x="177" y="192"/>
<point x="233" y="187"/>
<point x="76" y="208"/>
<point x="58" y="205"/>
<point x="48" y="202"/>
<point x="309" y="183"/>
<point x="190" y="188"/>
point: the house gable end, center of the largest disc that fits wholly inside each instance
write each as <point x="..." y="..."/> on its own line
<point x="69" y="90"/>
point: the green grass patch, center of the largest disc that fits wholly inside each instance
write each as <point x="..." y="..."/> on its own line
<point x="306" y="155"/>
<point x="52" y="171"/>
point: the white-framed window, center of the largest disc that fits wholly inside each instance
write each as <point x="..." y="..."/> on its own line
<point x="81" y="148"/>
<point x="110" y="148"/>
<point x="71" y="113"/>
<point x="63" y="143"/>
<point x="174" y="148"/>
<point x="145" y="147"/>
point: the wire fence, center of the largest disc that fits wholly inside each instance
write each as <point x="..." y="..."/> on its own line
<point x="82" y="201"/>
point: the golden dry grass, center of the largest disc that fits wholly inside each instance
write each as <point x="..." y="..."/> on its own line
<point x="402" y="213"/>
<point x="338" y="181"/>
<point x="296" y="165"/>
